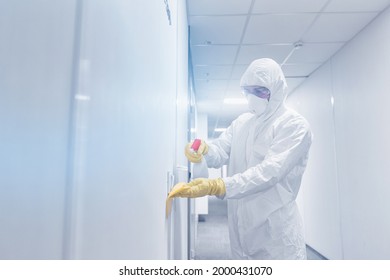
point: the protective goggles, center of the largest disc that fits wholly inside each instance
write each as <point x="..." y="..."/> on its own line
<point x="258" y="91"/>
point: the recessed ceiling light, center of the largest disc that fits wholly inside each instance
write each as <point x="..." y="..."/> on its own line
<point x="82" y="97"/>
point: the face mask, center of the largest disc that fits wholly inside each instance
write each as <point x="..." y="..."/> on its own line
<point x="256" y="105"/>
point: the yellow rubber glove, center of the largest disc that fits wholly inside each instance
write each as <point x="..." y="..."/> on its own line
<point x="198" y="188"/>
<point x="196" y="157"/>
<point x="168" y="203"/>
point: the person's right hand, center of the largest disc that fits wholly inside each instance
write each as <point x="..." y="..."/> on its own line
<point x="196" y="157"/>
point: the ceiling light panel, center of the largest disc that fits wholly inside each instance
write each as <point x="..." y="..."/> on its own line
<point x="314" y="53"/>
<point x="214" y="55"/>
<point x="216" y="29"/>
<point x="249" y="53"/>
<point x="277" y="28"/>
<point x="340" y="27"/>
<point x="283" y="6"/>
<point x="218" y="7"/>
<point x="357" y="5"/>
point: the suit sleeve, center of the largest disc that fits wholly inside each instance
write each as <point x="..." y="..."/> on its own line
<point x="289" y="147"/>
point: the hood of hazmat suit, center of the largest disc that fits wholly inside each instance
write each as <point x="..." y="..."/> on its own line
<point x="266" y="156"/>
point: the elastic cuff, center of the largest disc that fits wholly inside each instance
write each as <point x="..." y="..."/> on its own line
<point x="229" y="182"/>
<point x="206" y="148"/>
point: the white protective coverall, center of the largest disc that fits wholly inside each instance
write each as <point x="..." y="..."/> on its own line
<point x="266" y="157"/>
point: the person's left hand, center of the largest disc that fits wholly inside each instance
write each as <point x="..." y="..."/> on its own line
<point x="198" y="188"/>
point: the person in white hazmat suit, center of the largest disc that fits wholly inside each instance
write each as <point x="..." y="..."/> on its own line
<point x="266" y="151"/>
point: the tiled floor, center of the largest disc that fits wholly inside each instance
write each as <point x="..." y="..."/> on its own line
<point x="213" y="237"/>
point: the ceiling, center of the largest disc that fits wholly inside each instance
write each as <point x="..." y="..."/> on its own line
<point x="226" y="35"/>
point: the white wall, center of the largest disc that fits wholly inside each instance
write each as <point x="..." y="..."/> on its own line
<point x="129" y="145"/>
<point x="36" y="55"/>
<point x="319" y="190"/>
<point x="358" y="76"/>
<point x="361" y="87"/>
<point x="87" y="146"/>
